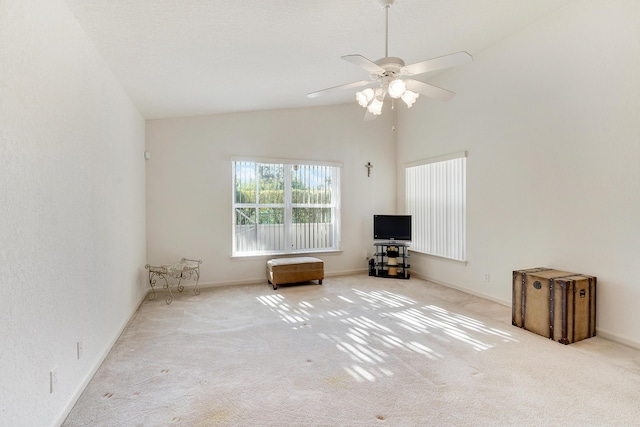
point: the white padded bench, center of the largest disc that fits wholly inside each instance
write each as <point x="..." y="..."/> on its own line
<point x="294" y="270"/>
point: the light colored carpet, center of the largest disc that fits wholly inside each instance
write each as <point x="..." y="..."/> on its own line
<point x="355" y="351"/>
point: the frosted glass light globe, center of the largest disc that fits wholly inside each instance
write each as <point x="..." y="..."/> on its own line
<point x="364" y="97"/>
<point x="397" y="88"/>
<point x="410" y="97"/>
<point x="375" y="107"/>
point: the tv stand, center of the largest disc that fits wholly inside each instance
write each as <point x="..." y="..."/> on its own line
<point x="390" y="260"/>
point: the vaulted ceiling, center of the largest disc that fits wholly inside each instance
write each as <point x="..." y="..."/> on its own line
<point x="194" y="57"/>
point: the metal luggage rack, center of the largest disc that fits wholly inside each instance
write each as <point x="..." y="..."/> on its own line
<point x="186" y="269"/>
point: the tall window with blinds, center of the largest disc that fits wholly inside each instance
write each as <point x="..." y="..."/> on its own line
<point x="436" y="199"/>
<point x="285" y="207"/>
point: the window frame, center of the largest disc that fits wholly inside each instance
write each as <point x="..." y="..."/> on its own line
<point x="288" y="206"/>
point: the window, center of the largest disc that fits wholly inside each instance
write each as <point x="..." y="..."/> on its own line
<point x="285" y="207"/>
<point x="435" y="191"/>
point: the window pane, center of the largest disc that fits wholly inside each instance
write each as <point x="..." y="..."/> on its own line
<point x="271" y="183"/>
<point x="246" y="230"/>
<point x="280" y="208"/>
<point x="312" y="184"/>
<point x="271" y="230"/>
<point x="312" y="228"/>
<point x="245" y="182"/>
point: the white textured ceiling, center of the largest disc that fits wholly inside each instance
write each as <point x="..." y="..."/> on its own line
<point x="193" y="57"/>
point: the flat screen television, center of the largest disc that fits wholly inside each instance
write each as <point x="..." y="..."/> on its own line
<point x="392" y="227"/>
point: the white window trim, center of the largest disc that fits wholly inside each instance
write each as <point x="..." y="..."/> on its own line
<point x="337" y="208"/>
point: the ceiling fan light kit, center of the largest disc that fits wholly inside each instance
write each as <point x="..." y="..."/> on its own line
<point x="391" y="72"/>
<point x="375" y="106"/>
<point x="364" y="97"/>
<point x="410" y="97"/>
<point x="397" y="88"/>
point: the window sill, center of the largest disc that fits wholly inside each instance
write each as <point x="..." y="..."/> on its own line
<point x="285" y="254"/>
<point x="443" y="258"/>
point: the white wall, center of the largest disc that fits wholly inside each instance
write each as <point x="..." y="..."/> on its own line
<point x="72" y="234"/>
<point x="189" y="181"/>
<point x="550" y="117"/>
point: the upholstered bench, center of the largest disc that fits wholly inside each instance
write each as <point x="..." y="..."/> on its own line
<point x="294" y="270"/>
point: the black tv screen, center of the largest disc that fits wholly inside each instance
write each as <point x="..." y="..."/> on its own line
<point x="392" y="227"/>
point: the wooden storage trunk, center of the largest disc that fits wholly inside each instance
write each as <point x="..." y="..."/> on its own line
<point x="556" y="304"/>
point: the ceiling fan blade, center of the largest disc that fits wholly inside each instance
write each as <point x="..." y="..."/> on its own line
<point x="438" y="63"/>
<point x="428" y="90"/>
<point x="363" y="62"/>
<point x="344" y="86"/>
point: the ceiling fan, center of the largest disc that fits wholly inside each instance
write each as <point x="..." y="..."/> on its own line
<point x="390" y="75"/>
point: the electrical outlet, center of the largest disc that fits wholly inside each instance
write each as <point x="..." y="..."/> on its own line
<point x="53" y="380"/>
<point x="486" y="277"/>
<point x="79" y="349"/>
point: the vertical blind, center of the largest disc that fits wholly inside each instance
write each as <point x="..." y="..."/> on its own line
<point x="284" y="207"/>
<point x="436" y="200"/>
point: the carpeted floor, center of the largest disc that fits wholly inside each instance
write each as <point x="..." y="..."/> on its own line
<point x="355" y="351"/>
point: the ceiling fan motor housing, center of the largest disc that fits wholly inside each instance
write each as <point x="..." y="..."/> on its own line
<point x="391" y="65"/>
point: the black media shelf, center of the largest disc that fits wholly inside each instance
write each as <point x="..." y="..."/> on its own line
<point x="390" y="261"/>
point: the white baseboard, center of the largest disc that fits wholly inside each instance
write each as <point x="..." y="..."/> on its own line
<point x="465" y="290"/>
<point x="599" y="332"/>
<point x="87" y="379"/>
<point x="617" y="338"/>
<point x="347" y="272"/>
<point x="264" y="279"/>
